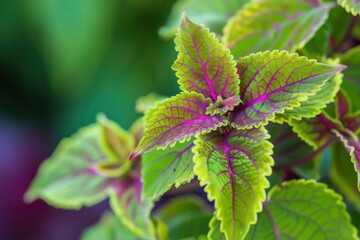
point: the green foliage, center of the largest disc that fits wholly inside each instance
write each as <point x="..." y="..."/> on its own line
<point x="217" y="127"/>
<point x="273" y="24"/>
<point x="214" y="14"/>
<point x="341" y="177"/>
<point x="303" y="210"/>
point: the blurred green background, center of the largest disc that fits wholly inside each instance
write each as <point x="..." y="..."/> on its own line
<point x="62" y="62"/>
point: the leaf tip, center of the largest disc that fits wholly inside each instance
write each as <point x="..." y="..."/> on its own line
<point x="340" y="68"/>
<point x="29" y="196"/>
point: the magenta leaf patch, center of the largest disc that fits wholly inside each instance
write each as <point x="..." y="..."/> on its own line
<point x="177" y="119"/>
<point x="272" y="82"/>
<point x="203" y="64"/>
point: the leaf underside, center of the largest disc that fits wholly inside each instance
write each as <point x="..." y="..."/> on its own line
<point x="273" y="24"/>
<point x="303" y="210"/>
<point x="272" y="82"/>
<point x="234" y="167"/>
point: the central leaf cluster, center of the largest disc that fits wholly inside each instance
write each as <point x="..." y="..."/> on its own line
<point x="222" y="120"/>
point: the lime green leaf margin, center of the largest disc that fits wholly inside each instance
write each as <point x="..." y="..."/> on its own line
<point x="234" y="166"/>
<point x="303" y="210"/>
<point x="83" y="167"/>
<point x="352" y="6"/>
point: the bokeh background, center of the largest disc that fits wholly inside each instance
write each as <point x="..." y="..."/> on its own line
<point x="61" y="63"/>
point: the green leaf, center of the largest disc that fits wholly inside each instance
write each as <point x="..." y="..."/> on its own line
<point x="234" y="166"/>
<point x="176" y="119"/>
<point x="185" y="216"/>
<point x="274" y="24"/>
<point x="161" y="169"/>
<point x="352" y="145"/>
<point x="316" y="131"/>
<point x="313" y="105"/>
<point x="342" y="176"/>
<point x="352" y="6"/>
<point x="272" y="82"/>
<point x="132" y="212"/>
<point x="108" y="228"/>
<point x="338" y="34"/>
<point x="303" y="210"/>
<point x="212" y="13"/>
<point x="83" y="168"/>
<point x="203" y="64"/>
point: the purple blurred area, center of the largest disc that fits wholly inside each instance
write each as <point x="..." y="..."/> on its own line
<point x="23" y="146"/>
<point x="61" y="63"/>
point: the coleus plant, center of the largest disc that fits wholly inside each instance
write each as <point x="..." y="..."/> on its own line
<point x="217" y="130"/>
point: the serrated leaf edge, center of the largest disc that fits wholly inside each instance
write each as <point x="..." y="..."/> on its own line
<point x="322" y="187"/>
<point x="199" y="171"/>
<point x="304" y="97"/>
